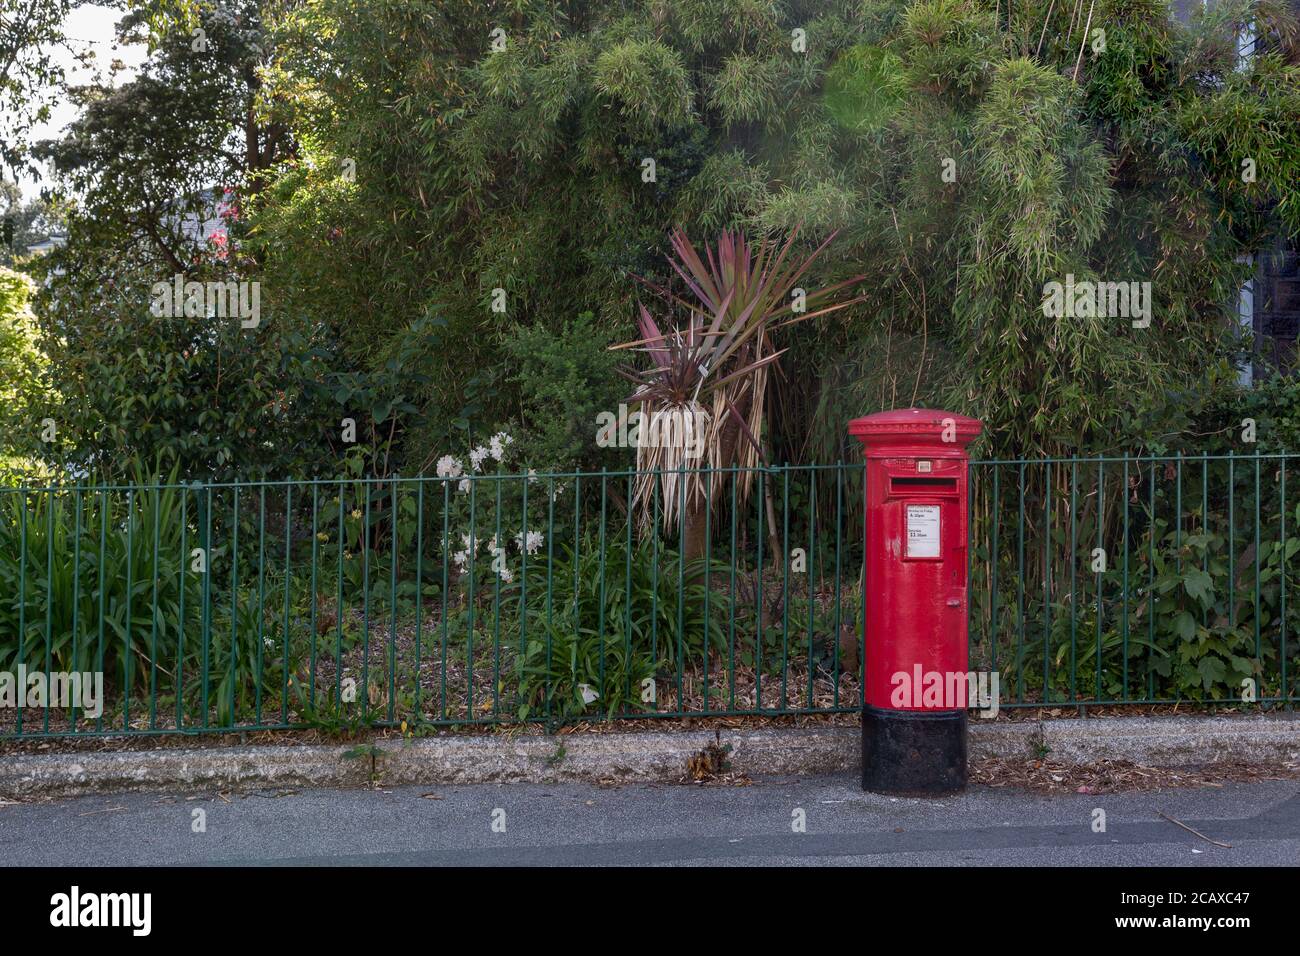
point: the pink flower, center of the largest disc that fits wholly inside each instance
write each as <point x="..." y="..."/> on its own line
<point x="228" y="206"/>
<point x="220" y="245"/>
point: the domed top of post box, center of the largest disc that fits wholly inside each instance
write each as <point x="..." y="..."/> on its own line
<point x="912" y="427"/>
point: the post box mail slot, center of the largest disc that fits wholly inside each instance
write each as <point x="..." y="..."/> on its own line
<point x="904" y="485"/>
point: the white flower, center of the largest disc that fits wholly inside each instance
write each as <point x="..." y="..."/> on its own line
<point x="450" y="467"/>
<point x="469" y="548"/>
<point x="463" y="485"/>
<point x="506" y="575"/>
<point x="476" y="457"/>
<point x="532" y="542"/>
<point x="532" y="475"/>
<point x="498" y="443"/>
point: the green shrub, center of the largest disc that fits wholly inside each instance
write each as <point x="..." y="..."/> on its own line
<point x="632" y="613"/>
<point x="560" y="665"/>
<point x="84" y="588"/>
<point x="64" y="556"/>
<point x="565" y="379"/>
<point x="23" y="389"/>
<point x="1185" y="629"/>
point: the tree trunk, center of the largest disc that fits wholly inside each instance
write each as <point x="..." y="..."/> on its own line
<point x="695" y="536"/>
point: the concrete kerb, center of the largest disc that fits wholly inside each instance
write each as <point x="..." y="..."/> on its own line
<point x="629" y="757"/>
<point x="1146" y="741"/>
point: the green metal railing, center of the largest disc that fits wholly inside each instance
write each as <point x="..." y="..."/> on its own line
<point x="434" y="601"/>
<point x="496" y="598"/>
<point x="1136" y="580"/>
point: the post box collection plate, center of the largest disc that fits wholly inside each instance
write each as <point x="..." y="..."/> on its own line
<point x="923" y="531"/>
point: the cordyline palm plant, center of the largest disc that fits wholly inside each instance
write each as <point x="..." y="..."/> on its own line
<point x="708" y="377"/>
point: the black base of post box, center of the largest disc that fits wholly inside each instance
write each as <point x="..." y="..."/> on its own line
<point x="910" y="752"/>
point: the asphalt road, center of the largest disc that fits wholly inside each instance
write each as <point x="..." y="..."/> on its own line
<point x="658" y="825"/>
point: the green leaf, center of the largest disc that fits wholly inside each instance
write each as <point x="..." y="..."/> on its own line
<point x="1199" y="587"/>
<point x="1211" y="670"/>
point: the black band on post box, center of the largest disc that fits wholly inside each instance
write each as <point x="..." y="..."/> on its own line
<point x="910" y="752"/>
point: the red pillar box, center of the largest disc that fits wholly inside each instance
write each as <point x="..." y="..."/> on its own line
<point x="913" y="734"/>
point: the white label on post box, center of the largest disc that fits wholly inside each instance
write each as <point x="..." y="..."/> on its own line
<point x="923" y="531"/>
